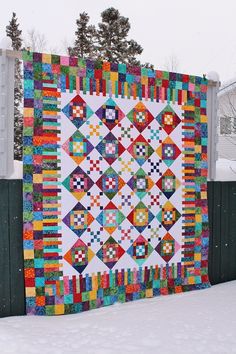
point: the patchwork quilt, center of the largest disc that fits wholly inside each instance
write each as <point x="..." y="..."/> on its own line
<point x="115" y="172"/>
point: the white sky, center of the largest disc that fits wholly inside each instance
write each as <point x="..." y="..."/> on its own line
<point x="200" y="34"/>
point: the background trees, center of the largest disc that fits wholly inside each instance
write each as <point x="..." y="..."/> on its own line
<point x="113" y="43"/>
<point x="85" y="39"/>
<point x="35" y="41"/>
<point x="108" y="42"/>
<point x="13" y="31"/>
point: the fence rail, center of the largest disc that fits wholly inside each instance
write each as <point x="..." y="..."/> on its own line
<point x="222" y="248"/>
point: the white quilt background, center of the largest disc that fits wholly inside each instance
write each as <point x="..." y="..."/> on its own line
<point x="69" y="201"/>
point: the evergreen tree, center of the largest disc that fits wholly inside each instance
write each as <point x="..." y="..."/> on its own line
<point x="13" y="31"/>
<point x="113" y="44"/>
<point x="86" y="37"/>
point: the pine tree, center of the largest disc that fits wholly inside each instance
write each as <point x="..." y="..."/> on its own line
<point x="113" y="44"/>
<point x="13" y="31"/>
<point x="86" y="37"/>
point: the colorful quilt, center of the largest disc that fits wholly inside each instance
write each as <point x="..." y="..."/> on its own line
<point x="115" y="172"/>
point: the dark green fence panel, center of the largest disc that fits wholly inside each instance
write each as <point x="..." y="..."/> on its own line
<point x="231" y="271"/>
<point x="16" y="248"/>
<point x="222" y="247"/>
<point x="12" y="294"/>
<point x="222" y="223"/>
<point x="214" y="210"/>
<point x="5" y="293"/>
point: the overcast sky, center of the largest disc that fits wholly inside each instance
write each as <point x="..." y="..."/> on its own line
<point x="200" y="34"/>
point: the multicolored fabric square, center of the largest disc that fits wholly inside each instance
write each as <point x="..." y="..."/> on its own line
<point x="115" y="172"/>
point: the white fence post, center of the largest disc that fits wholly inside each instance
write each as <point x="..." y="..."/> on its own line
<point x="7" y="68"/>
<point x="212" y="114"/>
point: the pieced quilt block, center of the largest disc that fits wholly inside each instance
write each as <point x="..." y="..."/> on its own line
<point x="115" y="171"/>
<point x="77" y="111"/>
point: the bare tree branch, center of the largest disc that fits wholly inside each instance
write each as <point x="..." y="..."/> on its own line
<point x="36" y="41"/>
<point x="172" y="63"/>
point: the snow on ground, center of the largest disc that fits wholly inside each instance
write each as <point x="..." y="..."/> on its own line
<point x="195" y="322"/>
<point x="18" y="170"/>
<point x="225" y="170"/>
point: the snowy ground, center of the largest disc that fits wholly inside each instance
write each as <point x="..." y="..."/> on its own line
<point x="225" y="170"/>
<point x="195" y="322"/>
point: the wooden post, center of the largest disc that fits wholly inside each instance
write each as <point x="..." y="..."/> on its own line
<point x="7" y="78"/>
<point x="212" y="108"/>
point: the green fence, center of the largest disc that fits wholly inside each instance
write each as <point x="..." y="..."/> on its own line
<point x="222" y="248"/>
<point x="12" y="296"/>
<point x="222" y="222"/>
